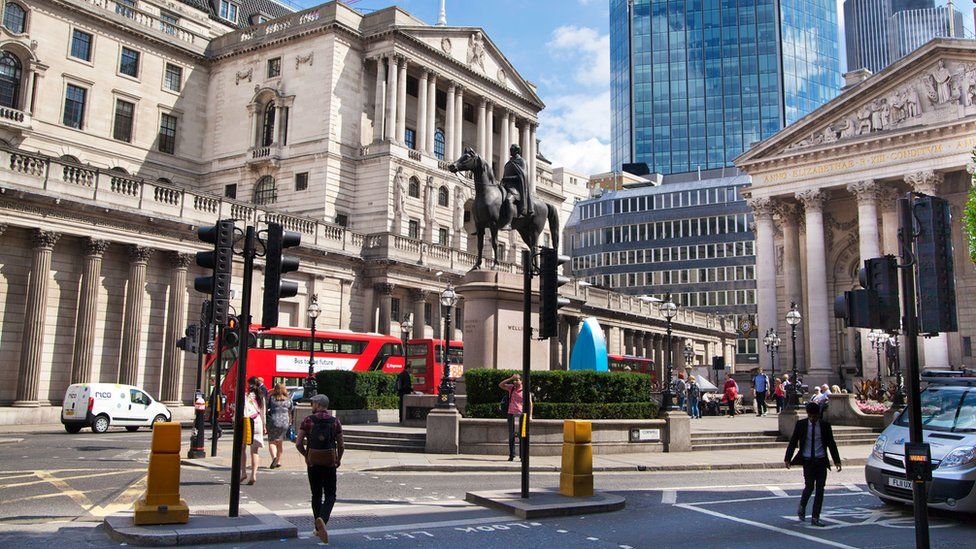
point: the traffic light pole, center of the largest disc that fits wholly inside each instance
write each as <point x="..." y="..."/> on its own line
<point x="196" y="439"/>
<point x="526" y="367"/>
<point x="215" y="405"/>
<point x="243" y="327"/>
<point x="906" y="238"/>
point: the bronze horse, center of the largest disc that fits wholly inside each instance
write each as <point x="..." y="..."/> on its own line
<point x="493" y="208"/>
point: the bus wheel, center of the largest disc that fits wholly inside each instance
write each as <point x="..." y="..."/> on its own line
<point x="100" y="425"/>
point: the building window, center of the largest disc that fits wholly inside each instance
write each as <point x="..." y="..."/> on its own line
<point x="342" y="220"/>
<point x="413" y="189"/>
<point x="442" y="236"/>
<point x="230" y="191"/>
<point x="428" y="312"/>
<point x="265" y="191"/>
<point x="228" y="11"/>
<point x="124" y="115"/>
<point x="81" y="45"/>
<point x="168" y="22"/>
<point x="443" y="196"/>
<point x="129" y="62"/>
<point x="74" y="106"/>
<point x="301" y="181"/>
<point x="410" y="137"/>
<point x="274" y="67"/>
<point x="167" y="134"/>
<point x="14" y="18"/>
<point x="395" y="309"/>
<point x="173" y="78"/>
<point x="439" y="143"/>
<point x="267" y="133"/>
<point x="413" y="229"/>
<point x="10" y="80"/>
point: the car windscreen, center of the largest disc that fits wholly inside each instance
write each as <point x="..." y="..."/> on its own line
<point x="947" y="408"/>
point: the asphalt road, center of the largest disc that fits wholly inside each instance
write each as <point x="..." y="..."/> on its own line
<point x="58" y="486"/>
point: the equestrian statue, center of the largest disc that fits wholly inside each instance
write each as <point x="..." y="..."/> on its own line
<point x="508" y="205"/>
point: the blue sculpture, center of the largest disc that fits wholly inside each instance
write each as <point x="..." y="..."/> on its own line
<point x="590" y="351"/>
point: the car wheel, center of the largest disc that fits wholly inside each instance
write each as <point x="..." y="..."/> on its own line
<point x="132" y="428"/>
<point x="73" y="429"/>
<point x="100" y="425"/>
<point x="157" y="419"/>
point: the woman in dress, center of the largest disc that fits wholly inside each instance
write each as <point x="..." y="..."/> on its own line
<point x="281" y="411"/>
<point x="730" y="393"/>
<point x="254" y="410"/>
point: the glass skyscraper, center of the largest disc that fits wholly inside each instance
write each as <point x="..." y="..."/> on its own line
<point x="695" y="82"/>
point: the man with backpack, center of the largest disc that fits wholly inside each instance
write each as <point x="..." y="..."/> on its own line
<point x="320" y="441"/>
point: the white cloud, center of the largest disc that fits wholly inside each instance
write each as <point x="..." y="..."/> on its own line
<point x="587" y="49"/>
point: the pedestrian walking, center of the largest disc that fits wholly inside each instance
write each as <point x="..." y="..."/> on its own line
<point x="812" y="439"/>
<point x="320" y="442"/>
<point x="403" y="387"/>
<point x="512" y="386"/>
<point x="730" y="393"/>
<point x="760" y="385"/>
<point x="679" y="390"/>
<point x="694" y="397"/>
<point x="254" y="410"/>
<point x="281" y="416"/>
<point x="263" y="388"/>
<point x="780" y="395"/>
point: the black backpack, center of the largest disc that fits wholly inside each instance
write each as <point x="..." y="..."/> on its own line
<point x="322" y="435"/>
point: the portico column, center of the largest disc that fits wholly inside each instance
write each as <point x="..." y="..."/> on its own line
<point x="866" y="193"/>
<point x="659" y="359"/>
<point x="431" y="111"/>
<point x="380" y="106"/>
<point x="385" y="292"/>
<point x="481" y="127"/>
<point x="762" y="209"/>
<point x="888" y="204"/>
<point x="421" y="140"/>
<point x="817" y="318"/>
<point x="401" y="116"/>
<point x="391" y="98"/>
<point x="132" y="317"/>
<point x="530" y="161"/>
<point x="84" y="348"/>
<point x="790" y="219"/>
<point x="649" y="346"/>
<point x="419" y="297"/>
<point x="175" y="323"/>
<point x="628" y="341"/>
<point x="35" y="315"/>
<point x="574" y="329"/>
<point x="936" y="349"/>
<point x="513" y="136"/>
<point x="459" y="121"/>
<point x="450" y="153"/>
<point x="565" y="328"/>
<point x="503" y="145"/>
<point x="490" y="135"/>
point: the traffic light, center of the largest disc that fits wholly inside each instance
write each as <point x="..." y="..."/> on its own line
<point x="190" y="343"/>
<point x="221" y="260"/>
<point x="232" y="335"/>
<point x="876" y="305"/>
<point x="278" y="264"/>
<point x="549" y="283"/>
<point x="936" y="281"/>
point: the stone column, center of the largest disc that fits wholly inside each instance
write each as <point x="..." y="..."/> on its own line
<point x="401" y="116"/>
<point x="84" y="348"/>
<point x="936" y="349"/>
<point x="638" y="339"/>
<point x="481" y="127"/>
<point x="421" y="139"/>
<point x="419" y="297"/>
<point x="391" y="98"/>
<point x="762" y="209"/>
<point x="565" y="329"/>
<point x="648" y="345"/>
<point x="817" y="317"/>
<point x="459" y="121"/>
<point x="503" y="145"/>
<point x="627" y="345"/>
<point x="175" y="324"/>
<point x="132" y="319"/>
<point x="450" y="153"/>
<point x="35" y="315"/>
<point x="345" y="316"/>
<point x="659" y="359"/>
<point x="530" y="161"/>
<point x="380" y="106"/>
<point x="513" y="136"/>
<point x="888" y="204"/>
<point x="574" y="329"/>
<point x="384" y="293"/>
<point x="431" y="111"/>
<point x="490" y="135"/>
<point x="866" y="193"/>
<point x="790" y="220"/>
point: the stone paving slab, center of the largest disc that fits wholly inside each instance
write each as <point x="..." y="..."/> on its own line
<point x="541" y="504"/>
<point x="207" y="524"/>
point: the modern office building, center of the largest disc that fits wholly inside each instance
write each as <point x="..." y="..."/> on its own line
<point x="880" y="32"/>
<point x="694" y="83"/>
<point x="689" y="237"/>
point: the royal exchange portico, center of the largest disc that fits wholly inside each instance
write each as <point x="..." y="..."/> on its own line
<point x="824" y="190"/>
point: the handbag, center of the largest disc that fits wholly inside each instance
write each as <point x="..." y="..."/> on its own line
<point x="292" y="436"/>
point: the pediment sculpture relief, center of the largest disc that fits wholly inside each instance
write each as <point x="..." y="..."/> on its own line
<point x="476" y="51"/>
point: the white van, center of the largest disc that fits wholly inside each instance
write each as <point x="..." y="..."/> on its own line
<point x="100" y="405"/>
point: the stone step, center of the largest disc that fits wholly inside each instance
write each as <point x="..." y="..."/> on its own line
<point x="723" y="440"/>
<point x="399" y="435"/>
<point x="383" y="441"/>
<point x="384" y="448"/>
<point x="728" y="444"/>
<point x="723" y="434"/>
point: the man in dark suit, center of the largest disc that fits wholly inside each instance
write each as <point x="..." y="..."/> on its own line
<point x="814" y="438"/>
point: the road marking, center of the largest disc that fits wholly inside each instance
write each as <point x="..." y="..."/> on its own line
<point x="783" y="531"/>
<point x="593" y="539"/>
<point x="124" y="501"/>
<point x="852" y="487"/>
<point x="778" y="491"/>
<point x="669" y="497"/>
<point x="340" y="509"/>
<point x="764" y="498"/>
<point x="420" y="526"/>
<point x="562" y="531"/>
<point x="76" y="496"/>
<point x="91" y="475"/>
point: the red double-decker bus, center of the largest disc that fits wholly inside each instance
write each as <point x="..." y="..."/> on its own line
<point x="425" y="360"/>
<point x="281" y="355"/>
<point x="622" y="363"/>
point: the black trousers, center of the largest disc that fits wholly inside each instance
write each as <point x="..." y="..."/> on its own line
<point x="401" y="407"/>
<point x="322" y="481"/>
<point x="514" y="426"/>
<point x="732" y="407"/>
<point x="814" y="477"/>
<point x="760" y="403"/>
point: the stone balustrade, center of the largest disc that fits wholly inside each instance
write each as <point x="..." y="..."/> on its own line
<point x="149" y="20"/>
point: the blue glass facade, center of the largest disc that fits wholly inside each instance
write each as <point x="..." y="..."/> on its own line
<point x="695" y="82"/>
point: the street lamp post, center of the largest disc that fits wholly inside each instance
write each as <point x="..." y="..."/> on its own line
<point x="445" y="396"/>
<point x="311" y="387"/>
<point x="878" y="340"/>
<point x="406" y="326"/>
<point x="793" y="318"/>
<point x="898" y="400"/>
<point x="772" y="342"/>
<point x="668" y="310"/>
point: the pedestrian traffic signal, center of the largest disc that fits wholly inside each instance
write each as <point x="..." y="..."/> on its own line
<point x="232" y="335"/>
<point x="190" y="343"/>
<point x="277" y="265"/>
<point x="549" y="283"/>
<point x="221" y="261"/>
<point x="876" y="305"/>
<point x="936" y="281"/>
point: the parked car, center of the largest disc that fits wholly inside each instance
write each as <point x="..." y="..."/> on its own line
<point x="948" y="405"/>
<point x="101" y="405"/>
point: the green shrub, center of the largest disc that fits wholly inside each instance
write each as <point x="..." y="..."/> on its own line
<point x="566" y="410"/>
<point x="562" y="386"/>
<point x="357" y="390"/>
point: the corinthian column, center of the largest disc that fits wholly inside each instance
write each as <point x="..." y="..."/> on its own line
<point x="503" y="145"/>
<point x="762" y="209"/>
<point x="32" y="342"/>
<point x="391" y="98"/>
<point x="385" y="292"/>
<point x="132" y="319"/>
<point x="450" y="153"/>
<point x="175" y="322"/>
<point x="380" y="104"/>
<point x="490" y="134"/>
<point x="790" y="220"/>
<point x="81" y="364"/>
<point x="431" y="112"/>
<point x="401" y="117"/>
<point x="817" y="319"/>
<point x="420" y="320"/>
<point x="421" y="139"/>
<point x="925" y="182"/>
<point x="867" y="217"/>
<point x="481" y="127"/>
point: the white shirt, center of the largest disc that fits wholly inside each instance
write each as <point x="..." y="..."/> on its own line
<point x="814" y="442"/>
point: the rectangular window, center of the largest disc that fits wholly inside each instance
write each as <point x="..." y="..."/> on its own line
<point x="410" y="136"/>
<point x="413" y="229"/>
<point x="74" y="106"/>
<point x="442" y="236"/>
<point x="230" y="191"/>
<point x="395" y="309"/>
<point x="173" y="78"/>
<point x="81" y="45"/>
<point x="228" y="11"/>
<point x="342" y="220"/>
<point x="129" y="62"/>
<point x="168" y="22"/>
<point x="124" y="115"/>
<point x="274" y="67"/>
<point x="301" y="181"/>
<point x="167" y="134"/>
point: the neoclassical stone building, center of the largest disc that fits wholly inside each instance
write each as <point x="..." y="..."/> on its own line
<point x="824" y="191"/>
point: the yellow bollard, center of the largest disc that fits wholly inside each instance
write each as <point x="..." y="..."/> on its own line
<point x="162" y="504"/>
<point x="576" y="477"/>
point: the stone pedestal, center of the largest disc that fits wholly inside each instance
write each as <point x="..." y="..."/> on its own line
<point x="787" y="420"/>
<point x="677" y="434"/>
<point x="443" y="428"/>
<point x="493" y="322"/>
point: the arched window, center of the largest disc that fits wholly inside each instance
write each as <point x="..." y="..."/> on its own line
<point x="442" y="196"/>
<point x="10" y="73"/>
<point x="439" y="144"/>
<point x="267" y="134"/>
<point x="414" y="189"/>
<point x="14" y="18"/>
<point x="265" y="191"/>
